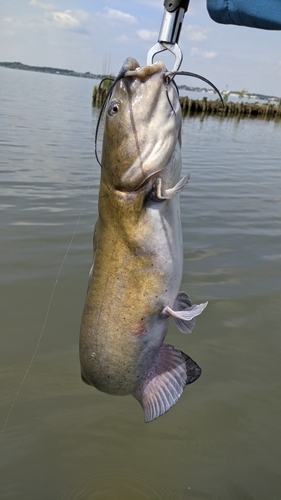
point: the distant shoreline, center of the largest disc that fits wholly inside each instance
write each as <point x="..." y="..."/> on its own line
<point x="88" y="74"/>
<point x="54" y="71"/>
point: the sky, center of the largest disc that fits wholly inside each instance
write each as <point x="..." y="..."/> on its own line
<point x="97" y="36"/>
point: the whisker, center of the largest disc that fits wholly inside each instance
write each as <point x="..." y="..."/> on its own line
<point x="105" y="80"/>
<point x="167" y="94"/>
<point x="104" y="103"/>
<point x="171" y="74"/>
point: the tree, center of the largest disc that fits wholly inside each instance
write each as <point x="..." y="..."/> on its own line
<point x="242" y="93"/>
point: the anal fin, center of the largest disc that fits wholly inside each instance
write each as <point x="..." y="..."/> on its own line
<point x="172" y="370"/>
<point x="184" y="312"/>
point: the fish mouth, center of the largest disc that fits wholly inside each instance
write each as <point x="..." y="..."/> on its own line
<point x="131" y="68"/>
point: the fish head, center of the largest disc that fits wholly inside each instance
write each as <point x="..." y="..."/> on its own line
<point x="142" y="125"/>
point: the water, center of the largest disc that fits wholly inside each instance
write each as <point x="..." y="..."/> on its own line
<point x="64" y="440"/>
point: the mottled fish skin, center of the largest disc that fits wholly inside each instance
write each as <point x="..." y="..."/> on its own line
<point x="138" y="254"/>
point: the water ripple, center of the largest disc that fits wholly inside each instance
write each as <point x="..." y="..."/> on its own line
<point x="128" y="483"/>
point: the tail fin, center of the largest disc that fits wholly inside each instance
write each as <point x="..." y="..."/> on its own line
<point x="164" y="384"/>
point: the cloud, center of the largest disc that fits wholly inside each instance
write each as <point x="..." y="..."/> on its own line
<point x="122" y="38"/>
<point x="203" y="54"/>
<point x="209" y="55"/>
<point x="118" y="15"/>
<point x="65" y="19"/>
<point x="7" y="33"/>
<point x="75" y="20"/>
<point x="148" y="36"/>
<point x="195" y="34"/>
<point x="14" y="22"/>
<point x="155" y="4"/>
<point x="41" y="5"/>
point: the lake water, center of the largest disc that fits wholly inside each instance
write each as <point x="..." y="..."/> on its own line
<point x="65" y="440"/>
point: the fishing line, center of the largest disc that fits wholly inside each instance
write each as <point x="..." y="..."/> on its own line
<point x="47" y="312"/>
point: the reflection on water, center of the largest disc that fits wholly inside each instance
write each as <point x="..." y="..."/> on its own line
<point x="66" y="440"/>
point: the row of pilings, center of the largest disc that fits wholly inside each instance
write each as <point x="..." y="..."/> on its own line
<point x="191" y="107"/>
<point x="266" y="111"/>
<point x="98" y="97"/>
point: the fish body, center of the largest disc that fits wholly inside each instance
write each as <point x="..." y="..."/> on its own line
<point x="138" y="256"/>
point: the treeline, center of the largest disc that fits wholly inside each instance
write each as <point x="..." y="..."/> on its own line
<point x="47" y="69"/>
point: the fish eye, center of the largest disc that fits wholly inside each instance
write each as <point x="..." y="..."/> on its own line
<point x="113" y="108"/>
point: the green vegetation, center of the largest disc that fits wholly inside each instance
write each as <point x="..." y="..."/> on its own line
<point x="243" y="93"/>
<point x="225" y="96"/>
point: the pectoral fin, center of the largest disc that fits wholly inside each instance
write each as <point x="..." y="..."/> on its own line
<point x="167" y="194"/>
<point x="171" y="372"/>
<point x="184" y="312"/>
